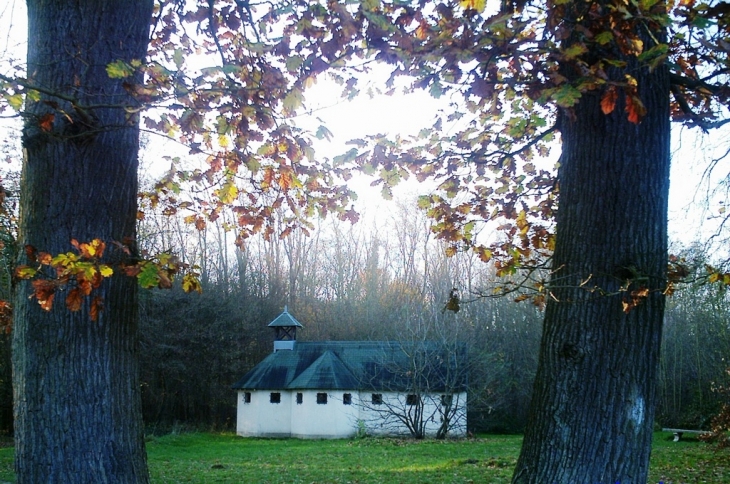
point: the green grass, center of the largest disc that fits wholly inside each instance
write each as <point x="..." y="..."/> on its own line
<point x="226" y="458"/>
<point x="205" y="458"/>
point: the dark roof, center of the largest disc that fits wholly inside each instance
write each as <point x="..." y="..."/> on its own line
<point x="359" y="365"/>
<point x="285" y="320"/>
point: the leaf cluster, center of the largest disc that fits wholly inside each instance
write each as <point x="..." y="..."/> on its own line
<point x="81" y="273"/>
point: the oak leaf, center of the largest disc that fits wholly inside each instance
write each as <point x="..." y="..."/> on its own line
<point x="477" y="5"/>
<point x="635" y="109"/>
<point x="191" y="283"/>
<point x="46" y="122"/>
<point x="285" y="180"/>
<point x="16" y="101"/>
<point x="97" y="306"/>
<point x="84" y="286"/>
<point x="25" y="272"/>
<point x="132" y="271"/>
<point x="608" y="101"/>
<point x="147" y="276"/>
<point x="165" y="280"/>
<point x="93" y="249"/>
<point x="44" y="292"/>
<point x="31" y="253"/>
<point x="74" y="299"/>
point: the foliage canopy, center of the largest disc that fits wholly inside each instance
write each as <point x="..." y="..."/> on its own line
<point x="228" y="78"/>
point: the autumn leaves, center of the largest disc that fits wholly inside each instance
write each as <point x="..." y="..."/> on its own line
<point x="79" y="274"/>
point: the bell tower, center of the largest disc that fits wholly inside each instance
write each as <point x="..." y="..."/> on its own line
<point x="286" y="331"/>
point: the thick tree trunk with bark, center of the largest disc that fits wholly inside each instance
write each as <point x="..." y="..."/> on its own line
<point x="592" y="413"/>
<point x="77" y="396"/>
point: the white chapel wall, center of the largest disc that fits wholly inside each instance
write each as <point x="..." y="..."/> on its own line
<point x="261" y="418"/>
<point x="334" y="419"/>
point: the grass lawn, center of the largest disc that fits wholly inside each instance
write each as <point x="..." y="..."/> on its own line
<point x="226" y="458"/>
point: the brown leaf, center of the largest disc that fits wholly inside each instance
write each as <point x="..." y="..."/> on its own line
<point x="31" y="253"/>
<point x="94" y="249"/>
<point x="422" y="31"/>
<point x="268" y="178"/>
<point x="96" y="280"/>
<point x="285" y="180"/>
<point x="46" y="122"/>
<point x="453" y="304"/>
<point x="608" y="101"/>
<point x="132" y="271"/>
<point x="85" y="286"/>
<point x="97" y="306"/>
<point x="200" y="223"/>
<point x="45" y="258"/>
<point x="74" y="299"/>
<point x="44" y="292"/>
<point x="635" y="109"/>
<point x="165" y="281"/>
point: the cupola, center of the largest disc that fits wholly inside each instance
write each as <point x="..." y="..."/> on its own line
<point x="286" y="331"/>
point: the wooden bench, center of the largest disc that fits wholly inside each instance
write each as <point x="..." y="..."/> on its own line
<point x="679" y="432"/>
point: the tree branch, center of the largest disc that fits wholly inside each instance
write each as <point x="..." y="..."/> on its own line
<point x="676" y="81"/>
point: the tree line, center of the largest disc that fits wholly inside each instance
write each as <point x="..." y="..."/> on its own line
<point x="350" y="282"/>
<point x="378" y="280"/>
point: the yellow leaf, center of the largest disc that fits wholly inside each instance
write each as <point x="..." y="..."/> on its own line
<point x="636" y="46"/>
<point x="191" y="283"/>
<point x="25" y="272"/>
<point x="223" y="141"/>
<point x="228" y="193"/>
<point x="522" y="223"/>
<point x="105" y="270"/>
<point x="422" y="31"/>
<point x="119" y="70"/>
<point x="477" y="5"/>
<point x="15" y="101"/>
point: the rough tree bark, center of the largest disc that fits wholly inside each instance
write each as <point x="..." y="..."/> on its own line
<point x="77" y="400"/>
<point x="592" y="412"/>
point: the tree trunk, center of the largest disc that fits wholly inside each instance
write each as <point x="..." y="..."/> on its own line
<point x="592" y="413"/>
<point x="77" y="396"/>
